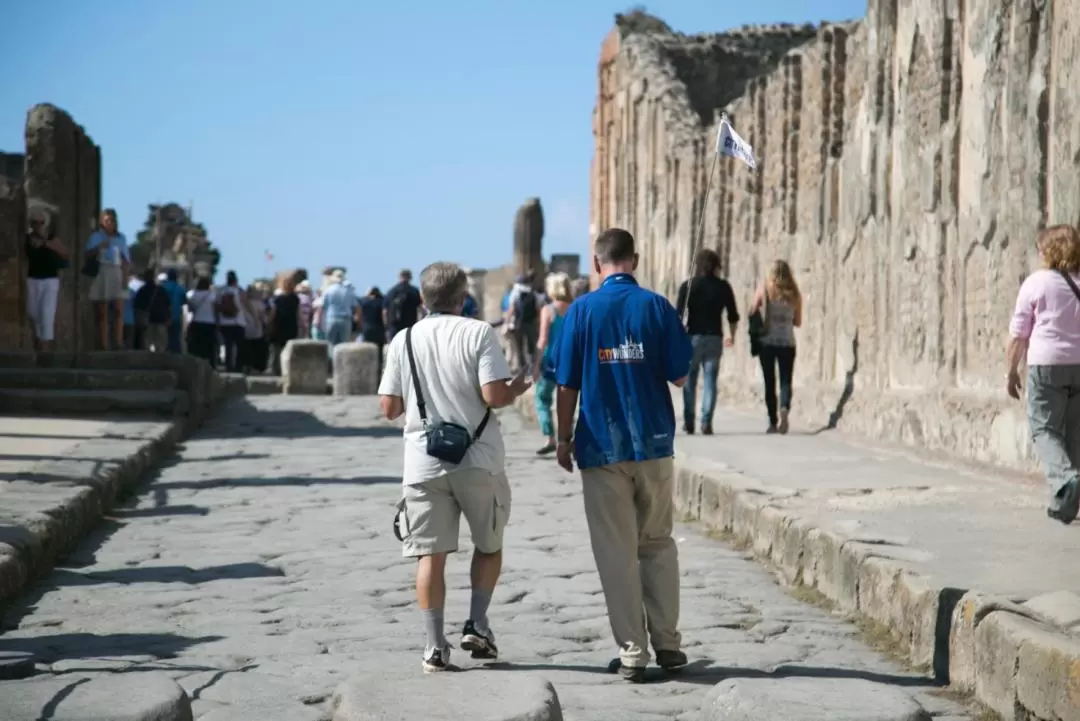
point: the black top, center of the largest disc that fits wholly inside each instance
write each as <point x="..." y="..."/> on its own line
<point x="373" y="328"/>
<point x="152" y="299"/>
<point x="286" y="327"/>
<point x="402" y="306"/>
<point x="710" y="297"/>
<point x="42" y="262"/>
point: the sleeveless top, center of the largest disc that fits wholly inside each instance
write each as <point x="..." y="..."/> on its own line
<point x="548" y="367"/>
<point x="780" y="324"/>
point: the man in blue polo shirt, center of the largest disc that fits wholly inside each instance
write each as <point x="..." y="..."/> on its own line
<point x="619" y="348"/>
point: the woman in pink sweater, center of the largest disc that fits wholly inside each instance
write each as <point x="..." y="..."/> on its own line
<point x="1045" y="329"/>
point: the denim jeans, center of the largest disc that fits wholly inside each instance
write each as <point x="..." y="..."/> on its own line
<point x="545" y="396"/>
<point x="338" y="330"/>
<point x="1053" y="400"/>
<point x="706" y="357"/>
<point x="777" y="360"/>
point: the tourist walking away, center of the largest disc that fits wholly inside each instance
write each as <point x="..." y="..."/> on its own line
<point x="778" y="304"/>
<point x="153" y="314"/>
<point x="107" y="262"/>
<point x="445" y="374"/>
<point x="703" y="301"/>
<point x="231" y="321"/>
<point x="372" y="328"/>
<point x="170" y="281"/>
<point x="202" y="323"/>
<point x="46" y="256"/>
<point x="402" y="305"/>
<point x="284" y="320"/>
<point x="523" y="320"/>
<point x="619" y="348"/>
<point x="339" y="305"/>
<point x="557" y="286"/>
<point x="1045" y="330"/>
<point x="255" y="354"/>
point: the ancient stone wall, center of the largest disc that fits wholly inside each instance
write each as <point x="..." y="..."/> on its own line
<point x="906" y="161"/>
<point x="63" y="169"/>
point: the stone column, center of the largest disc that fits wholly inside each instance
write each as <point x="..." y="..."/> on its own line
<point x="569" y="263"/>
<point x="14" y="330"/>
<point x="528" y="239"/>
<point x="63" y="170"/>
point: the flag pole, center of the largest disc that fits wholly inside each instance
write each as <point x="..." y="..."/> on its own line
<point x="701" y="221"/>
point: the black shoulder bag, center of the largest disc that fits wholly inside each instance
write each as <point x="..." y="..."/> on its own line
<point x="446" y="441"/>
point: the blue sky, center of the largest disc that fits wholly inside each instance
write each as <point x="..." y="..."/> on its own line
<point x="371" y="135"/>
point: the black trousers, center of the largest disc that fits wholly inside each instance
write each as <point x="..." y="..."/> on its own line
<point x="233" y="338"/>
<point x="777" y="363"/>
<point x="202" y="342"/>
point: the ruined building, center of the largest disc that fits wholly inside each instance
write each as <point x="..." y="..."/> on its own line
<point x="905" y="163"/>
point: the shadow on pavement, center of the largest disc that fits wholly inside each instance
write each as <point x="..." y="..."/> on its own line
<point x="56" y="647"/>
<point x="298" y="481"/>
<point x="246" y="421"/>
<point x="178" y="510"/>
<point x="162" y="574"/>
<point x="704" y="673"/>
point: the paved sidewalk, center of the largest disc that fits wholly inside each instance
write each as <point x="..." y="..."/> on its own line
<point x="966" y="527"/>
<point x="57" y="474"/>
<point x="259" y="570"/>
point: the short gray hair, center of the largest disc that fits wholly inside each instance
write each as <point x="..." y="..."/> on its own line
<point x="444" y="287"/>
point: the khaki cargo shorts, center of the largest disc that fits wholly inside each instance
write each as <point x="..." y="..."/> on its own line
<point x="430" y="512"/>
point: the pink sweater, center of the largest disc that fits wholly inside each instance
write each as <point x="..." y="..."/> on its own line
<point x="1048" y="314"/>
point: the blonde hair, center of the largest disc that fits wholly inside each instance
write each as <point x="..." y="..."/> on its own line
<point x="780" y="283"/>
<point x="557" y="286"/>
<point x="1059" y="246"/>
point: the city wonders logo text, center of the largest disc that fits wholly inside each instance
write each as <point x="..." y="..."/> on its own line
<point x="626" y="352"/>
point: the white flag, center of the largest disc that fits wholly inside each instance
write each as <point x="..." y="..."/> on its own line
<point x="730" y="144"/>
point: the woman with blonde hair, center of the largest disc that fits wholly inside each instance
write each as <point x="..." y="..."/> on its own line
<point x="559" y="290"/>
<point x="779" y="304"/>
<point x="1045" y="328"/>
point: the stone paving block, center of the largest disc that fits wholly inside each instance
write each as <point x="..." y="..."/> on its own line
<point x="1060" y="607"/>
<point x="356" y="369"/>
<point x="450" y="695"/>
<point x="126" y="697"/>
<point x="809" y="699"/>
<point x="304" y="369"/>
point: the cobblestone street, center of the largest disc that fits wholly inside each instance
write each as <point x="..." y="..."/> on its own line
<point x="259" y="570"/>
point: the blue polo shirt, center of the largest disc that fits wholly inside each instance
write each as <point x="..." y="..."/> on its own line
<point x="620" y="346"/>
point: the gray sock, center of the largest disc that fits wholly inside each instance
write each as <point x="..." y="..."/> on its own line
<point x="433" y="626"/>
<point x="478" y="609"/>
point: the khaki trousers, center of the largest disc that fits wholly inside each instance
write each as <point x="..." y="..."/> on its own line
<point x="629" y="507"/>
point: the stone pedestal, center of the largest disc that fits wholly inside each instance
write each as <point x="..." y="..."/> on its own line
<point x="356" y="369"/>
<point x="303" y="367"/>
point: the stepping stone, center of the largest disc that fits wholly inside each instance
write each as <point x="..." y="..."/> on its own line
<point x="124" y="697"/>
<point x="447" y="696"/>
<point x="15" y="664"/>
<point x="809" y="699"/>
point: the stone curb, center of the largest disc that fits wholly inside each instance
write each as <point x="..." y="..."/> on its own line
<point x="64" y="525"/>
<point x="1018" y="665"/>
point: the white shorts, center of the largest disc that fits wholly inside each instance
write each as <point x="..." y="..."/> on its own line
<point x="41" y="297"/>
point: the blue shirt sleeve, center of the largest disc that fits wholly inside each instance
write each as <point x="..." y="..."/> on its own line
<point x="569" y="351"/>
<point x="675" y="341"/>
<point x="122" y="244"/>
<point x="94" y="240"/>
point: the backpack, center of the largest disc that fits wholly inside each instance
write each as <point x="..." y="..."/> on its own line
<point x="229" y="308"/>
<point x="395" y="311"/>
<point x="525" y="310"/>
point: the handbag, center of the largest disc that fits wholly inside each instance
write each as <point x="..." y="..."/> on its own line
<point x="446" y="441"/>
<point x="758" y="325"/>
<point x="92" y="265"/>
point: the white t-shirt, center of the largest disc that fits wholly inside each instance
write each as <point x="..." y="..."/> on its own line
<point x="202" y="304"/>
<point x="238" y="319"/>
<point x="455" y="356"/>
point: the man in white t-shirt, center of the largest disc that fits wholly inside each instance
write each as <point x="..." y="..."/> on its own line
<point x="462" y="374"/>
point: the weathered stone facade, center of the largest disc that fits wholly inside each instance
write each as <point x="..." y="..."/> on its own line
<point x="62" y="167"/>
<point x="906" y="161"/>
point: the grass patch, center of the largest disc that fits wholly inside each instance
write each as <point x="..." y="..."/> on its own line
<point x="726" y="536"/>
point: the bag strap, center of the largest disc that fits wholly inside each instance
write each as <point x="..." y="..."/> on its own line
<point x="1072" y="284"/>
<point x="420" y="405"/>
